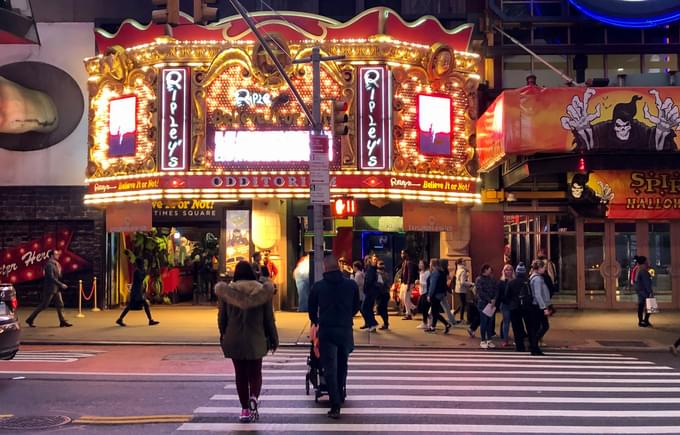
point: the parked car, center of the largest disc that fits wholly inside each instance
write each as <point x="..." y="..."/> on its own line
<point x="9" y="323"/>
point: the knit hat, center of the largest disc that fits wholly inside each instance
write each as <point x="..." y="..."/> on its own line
<point x="521" y="269"/>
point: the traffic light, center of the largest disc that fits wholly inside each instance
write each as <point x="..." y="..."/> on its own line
<point x="343" y="207"/>
<point x="340" y="118"/>
<point x="167" y="15"/>
<point x="203" y="14"/>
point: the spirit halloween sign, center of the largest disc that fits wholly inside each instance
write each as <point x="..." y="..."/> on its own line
<point x="25" y="262"/>
<point x="626" y="194"/>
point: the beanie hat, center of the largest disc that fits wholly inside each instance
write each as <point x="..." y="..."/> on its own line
<point x="521" y="269"/>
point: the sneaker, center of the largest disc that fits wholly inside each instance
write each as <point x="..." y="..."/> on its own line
<point x="120" y="322"/>
<point x="484" y="344"/>
<point x="642" y="324"/>
<point x="430" y="329"/>
<point x="537" y="353"/>
<point x="384" y="327"/>
<point x="65" y="324"/>
<point x="253" y="405"/>
<point x="647" y="324"/>
<point x="334" y="413"/>
<point x="30" y="323"/>
<point x="422" y="326"/>
<point x="372" y="329"/>
<point x="447" y="328"/>
<point x="471" y="333"/>
<point x="490" y="344"/>
<point x="407" y="317"/>
<point x="153" y="322"/>
<point x="245" y="416"/>
<point x="363" y="327"/>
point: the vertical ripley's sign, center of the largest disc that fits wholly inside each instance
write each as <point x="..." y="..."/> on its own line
<point x="174" y="119"/>
<point x="373" y="118"/>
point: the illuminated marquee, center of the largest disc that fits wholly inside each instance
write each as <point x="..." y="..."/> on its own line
<point x="174" y="120"/>
<point x="264" y="146"/>
<point x="434" y="125"/>
<point x="374" y="138"/>
<point x="123" y="126"/>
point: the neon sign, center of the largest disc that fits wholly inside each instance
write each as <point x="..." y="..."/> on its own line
<point x="123" y="126"/>
<point x="434" y="125"/>
<point x="264" y="146"/>
<point x="243" y="97"/>
<point x="174" y="120"/>
<point x="630" y="13"/>
<point x="374" y="118"/>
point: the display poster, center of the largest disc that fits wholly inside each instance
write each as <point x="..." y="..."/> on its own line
<point x="238" y="238"/>
<point x="434" y="125"/>
<point x="25" y="262"/>
<point x="123" y="126"/>
<point x="626" y="194"/>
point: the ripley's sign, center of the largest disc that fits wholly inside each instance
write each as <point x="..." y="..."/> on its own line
<point x="174" y="119"/>
<point x="373" y="118"/>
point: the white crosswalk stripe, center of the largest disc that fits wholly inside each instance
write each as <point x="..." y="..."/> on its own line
<point x="65" y="356"/>
<point x="462" y="392"/>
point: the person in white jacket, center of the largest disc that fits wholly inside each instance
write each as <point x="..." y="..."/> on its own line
<point x="461" y="288"/>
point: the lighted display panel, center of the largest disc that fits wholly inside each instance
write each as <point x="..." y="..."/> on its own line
<point x="250" y="124"/>
<point x="434" y="125"/>
<point x="122" y="126"/>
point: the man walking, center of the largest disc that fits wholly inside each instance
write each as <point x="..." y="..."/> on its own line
<point x="371" y="292"/>
<point x="333" y="302"/>
<point x="51" y="287"/>
<point x="409" y="275"/>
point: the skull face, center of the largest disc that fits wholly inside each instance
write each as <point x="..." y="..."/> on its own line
<point x="622" y="129"/>
<point x="576" y="190"/>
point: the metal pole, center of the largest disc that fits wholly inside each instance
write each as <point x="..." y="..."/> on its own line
<point x="244" y="13"/>
<point x="94" y="295"/>
<point x="80" y="299"/>
<point x="317" y="209"/>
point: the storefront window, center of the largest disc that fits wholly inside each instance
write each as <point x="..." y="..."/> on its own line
<point x="622" y="64"/>
<point x="515" y="71"/>
<point x="660" y="63"/>
<point x="546" y="76"/>
<point x="660" y="260"/>
<point x="626" y="249"/>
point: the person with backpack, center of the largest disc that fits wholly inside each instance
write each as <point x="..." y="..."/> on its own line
<point x="487" y="294"/>
<point x="643" y="287"/>
<point x="519" y="301"/>
<point x="540" y="310"/>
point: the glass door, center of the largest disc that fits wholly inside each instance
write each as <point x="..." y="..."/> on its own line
<point x="625" y="247"/>
<point x="596" y="269"/>
<point x="659" y="259"/>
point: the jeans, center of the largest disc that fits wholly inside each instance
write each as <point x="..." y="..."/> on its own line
<point x="335" y="348"/>
<point x="520" y="324"/>
<point x="505" y="323"/>
<point x="45" y="302"/>
<point x="536" y="319"/>
<point x="447" y="309"/>
<point x="486" y="323"/>
<point x="382" y="301"/>
<point x="303" y="294"/>
<point x="462" y="306"/>
<point x="405" y="296"/>
<point x="248" y="379"/>
<point x="473" y="317"/>
<point x="367" y="310"/>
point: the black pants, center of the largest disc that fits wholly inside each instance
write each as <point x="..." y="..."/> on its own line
<point x="248" y="379"/>
<point x="643" y="315"/>
<point x="437" y="313"/>
<point x="45" y="302"/>
<point x="473" y="316"/>
<point x="462" y="304"/>
<point x="382" y="301"/>
<point x="147" y="310"/>
<point x="543" y="326"/>
<point x="537" y="321"/>
<point x="335" y="347"/>
<point x="519" y="318"/>
<point x="424" y="308"/>
<point x="367" y="310"/>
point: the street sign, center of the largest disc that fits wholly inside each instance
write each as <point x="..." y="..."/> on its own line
<point x="319" y="189"/>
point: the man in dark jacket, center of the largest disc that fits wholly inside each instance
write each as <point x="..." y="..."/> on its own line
<point x="333" y="302"/>
<point x="371" y="291"/>
<point x="519" y="300"/>
<point x="51" y="287"/>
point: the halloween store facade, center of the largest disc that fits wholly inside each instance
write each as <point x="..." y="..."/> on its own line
<point x="590" y="178"/>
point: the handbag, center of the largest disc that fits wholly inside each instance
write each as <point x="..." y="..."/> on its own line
<point x="489" y="309"/>
<point x="651" y="305"/>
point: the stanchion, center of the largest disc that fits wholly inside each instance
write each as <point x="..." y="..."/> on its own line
<point x="94" y="290"/>
<point x="80" y="299"/>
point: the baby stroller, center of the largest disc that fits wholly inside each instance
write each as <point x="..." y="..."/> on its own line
<point x="315" y="376"/>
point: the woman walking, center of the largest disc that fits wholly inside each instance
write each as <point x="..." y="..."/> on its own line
<point x="462" y="288"/>
<point x="371" y="290"/>
<point x="137" y="295"/>
<point x="247" y="331"/>
<point x="383" y="296"/>
<point x="540" y="310"/>
<point x="423" y="304"/>
<point x="643" y="286"/>
<point x="507" y="275"/>
<point x="486" y="292"/>
<point x="436" y="291"/>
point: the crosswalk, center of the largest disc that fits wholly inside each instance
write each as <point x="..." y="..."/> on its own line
<point x="440" y="391"/>
<point x="52" y="356"/>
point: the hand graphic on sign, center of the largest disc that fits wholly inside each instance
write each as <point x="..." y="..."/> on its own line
<point x="667" y="120"/>
<point x="579" y="120"/>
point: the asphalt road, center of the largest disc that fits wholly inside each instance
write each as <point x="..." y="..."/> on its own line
<point x="389" y="391"/>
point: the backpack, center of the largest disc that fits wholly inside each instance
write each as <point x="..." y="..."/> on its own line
<point x="525" y="297"/>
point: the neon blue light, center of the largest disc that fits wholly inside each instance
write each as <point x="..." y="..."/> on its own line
<point x="629" y="22"/>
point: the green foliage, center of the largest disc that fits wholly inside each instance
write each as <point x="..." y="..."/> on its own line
<point x="152" y="247"/>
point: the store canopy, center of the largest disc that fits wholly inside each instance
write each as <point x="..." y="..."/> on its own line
<point x="533" y="120"/>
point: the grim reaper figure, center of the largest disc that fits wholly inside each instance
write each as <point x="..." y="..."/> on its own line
<point x="585" y="201"/>
<point x="623" y="131"/>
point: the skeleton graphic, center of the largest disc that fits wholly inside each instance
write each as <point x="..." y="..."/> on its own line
<point x="585" y="200"/>
<point x="623" y="131"/>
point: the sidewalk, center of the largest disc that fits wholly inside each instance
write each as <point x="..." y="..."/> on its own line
<point x="190" y="325"/>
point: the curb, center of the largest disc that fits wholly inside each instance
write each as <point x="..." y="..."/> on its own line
<point x="137" y="419"/>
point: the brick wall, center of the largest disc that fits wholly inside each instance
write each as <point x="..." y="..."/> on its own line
<point x="26" y="213"/>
